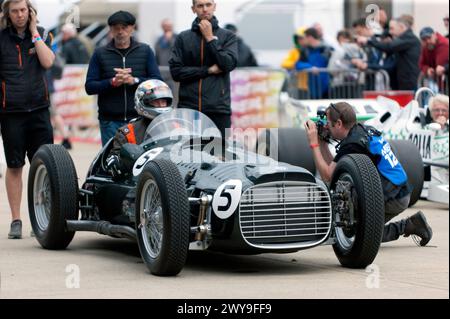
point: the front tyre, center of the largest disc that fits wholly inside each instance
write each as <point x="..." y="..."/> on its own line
<point x="358" y="208"/>
<point x="52" y="196"/>
<point x="162" y="218"/>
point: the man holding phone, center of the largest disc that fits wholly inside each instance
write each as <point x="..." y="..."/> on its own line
<point x="25" y="55"/>
<point x="115" y="72"/>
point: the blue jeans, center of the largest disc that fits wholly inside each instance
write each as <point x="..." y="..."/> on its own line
<point x="108" y="129"/>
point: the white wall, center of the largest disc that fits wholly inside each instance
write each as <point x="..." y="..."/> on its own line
<point x="430" y="13"/>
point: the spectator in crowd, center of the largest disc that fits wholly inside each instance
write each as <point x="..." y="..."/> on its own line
<point x="406" y="47"/>
<point x="326" y="42"/>
<point x="318" y="27"/>
<point x="376" y="59"/>
<point x="152" y="98"/>
<point x="202" y="60"/>
<point x="446" y="24"/>
<point x="383" y="21"/>
<point x="409" y="19"/>
<point x="24" y="116"/>
<point x="116" y="70"/>
<point x="298" y="53"/>
<point x="438" y="107"/>
<point x="73" y="50"/>
<point x="318" y="56"/>
<point x="246" y="58"/>
<point x="56" y="73"/>
<point x="434" y="57"/>
<point x="348" y="56"/>
<point x="359" y="139"/>
<point x="164" y="44"/>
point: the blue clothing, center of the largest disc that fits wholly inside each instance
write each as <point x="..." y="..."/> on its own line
<point x="108" y="129"/>
<point x="388" y="164"/>
<point x="316" y="57"/>
<point x="367" y="140"/>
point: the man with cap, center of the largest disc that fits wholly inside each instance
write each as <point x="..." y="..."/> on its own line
<point x="115" y="72"/>
<point x="434" y="57"/>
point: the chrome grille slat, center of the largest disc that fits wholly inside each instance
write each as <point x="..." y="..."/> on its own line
<point x="292" y="214"/>
<point x="288" y="230"/>
<point x="285" y="215"/>
<point x="289" y="209"/>
<point x="272" y="203"/>
<point x="276" y="220"/>
<point x="288" y="236"/>
<point x="303" y="224"/>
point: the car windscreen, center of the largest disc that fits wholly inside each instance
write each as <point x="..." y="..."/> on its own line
<point x="181" y="122"/>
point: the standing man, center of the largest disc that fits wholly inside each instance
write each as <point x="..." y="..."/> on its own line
<point x="202" y="60"/>
<point x="25" y="56"/>
<point x="73" y="50"/>
<point x="246" y="58"/>
<point x="116" y="70"/>
<point x="164" y="44"/>
<point x="406" y="47"/>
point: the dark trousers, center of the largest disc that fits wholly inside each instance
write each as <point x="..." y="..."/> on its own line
<point x="222" y="121"/>
<point x="392" y="231"/>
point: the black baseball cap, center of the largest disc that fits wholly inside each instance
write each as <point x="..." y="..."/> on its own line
<point x="122" y="17"/>
<point x="426" y="33"/>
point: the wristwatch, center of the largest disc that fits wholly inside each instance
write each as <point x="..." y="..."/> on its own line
<point x="136" y="81"/>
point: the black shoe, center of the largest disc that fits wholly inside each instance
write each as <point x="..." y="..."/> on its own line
<point x="66" y="143"/>
<point x="417" y="225"/>
<point x="16" y="230"/>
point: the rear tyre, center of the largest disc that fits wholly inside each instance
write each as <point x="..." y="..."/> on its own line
<point x="411" y="160"/>
<point x="292" y="146"/>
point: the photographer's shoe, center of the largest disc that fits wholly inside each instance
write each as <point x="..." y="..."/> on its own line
<point x="417" y="225"/>
<point x="16" y="230"/>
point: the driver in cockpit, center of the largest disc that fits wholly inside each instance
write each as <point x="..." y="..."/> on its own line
<point x="152" y="98"/>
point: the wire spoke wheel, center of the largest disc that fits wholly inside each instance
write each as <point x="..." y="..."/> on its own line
<point x="151" y="223"/>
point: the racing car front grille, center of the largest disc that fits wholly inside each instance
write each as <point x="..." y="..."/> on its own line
<point x="285" y="215"/>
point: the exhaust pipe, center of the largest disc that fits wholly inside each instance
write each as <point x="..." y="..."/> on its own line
<point x="102" y="227"/>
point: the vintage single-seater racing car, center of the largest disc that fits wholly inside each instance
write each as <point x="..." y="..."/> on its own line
<point x="177" y="193"/>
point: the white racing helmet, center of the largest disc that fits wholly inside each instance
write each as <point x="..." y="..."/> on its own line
<point x="149" y="91"/>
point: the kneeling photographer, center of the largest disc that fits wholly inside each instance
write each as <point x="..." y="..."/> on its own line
<point x="338" y="122"/>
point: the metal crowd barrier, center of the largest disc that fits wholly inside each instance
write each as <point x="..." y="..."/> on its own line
<point x="316" y="84"/>
<point x="436" y="84"/>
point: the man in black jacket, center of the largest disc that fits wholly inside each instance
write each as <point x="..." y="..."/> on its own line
<point x="406" y="47"/>
<point x="115" y="71"/>
<point x="25" y="55"/>
<point x="246" y="58"/>
<point x="73" y="50"/>
<point x="202" y="60"/>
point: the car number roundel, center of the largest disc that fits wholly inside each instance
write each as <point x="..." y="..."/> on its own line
<point x="144" y="159"/>
<point x="227" y="198"/>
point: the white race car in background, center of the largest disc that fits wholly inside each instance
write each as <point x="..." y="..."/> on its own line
<point x="409" y="123"/>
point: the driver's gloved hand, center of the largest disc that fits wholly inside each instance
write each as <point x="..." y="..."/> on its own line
<point x="113" y="165"/>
